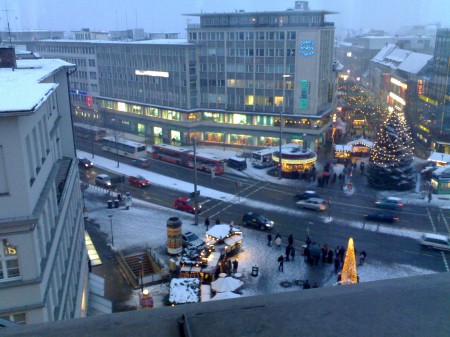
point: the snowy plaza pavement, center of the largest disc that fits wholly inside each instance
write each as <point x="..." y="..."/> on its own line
<point x="144" y="225"/>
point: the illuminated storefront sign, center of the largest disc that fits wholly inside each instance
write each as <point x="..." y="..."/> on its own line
<point x="306" y="48"/>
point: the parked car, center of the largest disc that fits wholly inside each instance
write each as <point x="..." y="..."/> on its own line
<point x="103" y="180"/>
<point x="316" y="204"/>
<point x="435" y="241"/>
<point x="257" y="220"/>
<point x="306" y="195"/>
<point x="237" y="163"/>
<point x="389" y="203"/>
<point x="192" y="240"/>
<point x="186" y="205"/>
<point x="85" y="163"/>
<point x="138" y="181"/>
<point x="141" y="162"/>
<point x="382" y="216"/>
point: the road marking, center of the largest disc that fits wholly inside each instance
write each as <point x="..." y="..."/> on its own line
<point x="445" y="261"/>
<point x="441" y="217"/>
<point x="431" y="219"/>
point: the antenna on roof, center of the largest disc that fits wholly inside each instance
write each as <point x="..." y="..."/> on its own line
<point x="7" y="20"/>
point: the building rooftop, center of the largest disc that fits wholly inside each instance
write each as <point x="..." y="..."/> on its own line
<point x="413" y="306"/>
<point x="22" y="89"/>
<point x="181" y="42"/>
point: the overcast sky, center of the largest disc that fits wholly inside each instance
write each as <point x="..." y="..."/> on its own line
<point x="166" y="15"/>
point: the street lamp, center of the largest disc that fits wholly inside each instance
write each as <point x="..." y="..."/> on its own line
<point x="112" y="233"/>
<point x="280" y="157"/>
<point x="115" y="140"/>
<point x="142" y="273"/>
<point x="195" y="183"/>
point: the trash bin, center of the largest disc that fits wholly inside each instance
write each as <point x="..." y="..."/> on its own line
<point x="110" y="203"/>
<point x="255" y="270"/>
<point x="116" y="203"/>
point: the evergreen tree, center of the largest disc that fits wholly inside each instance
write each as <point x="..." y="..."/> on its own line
<point x="349" y="274"/>
<point x="390" y="164"/>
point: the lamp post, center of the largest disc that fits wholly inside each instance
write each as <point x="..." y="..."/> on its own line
<point x="142" y="273"/>
<point x="195" y="183"/>
<point x="281" y="124"/>
<point x="112" y="233"/>
<point x="115" y="140"/>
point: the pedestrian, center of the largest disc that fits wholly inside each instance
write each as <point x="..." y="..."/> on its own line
<point x="288" y="252"/>
<point x="280" y="263"/>
<point x="337" y="265"/>
<point x="229" y="267"/>
<point x="429" y="197"/>
<point x="290" y="240"/>
<point x="306" y="253"/>
<point x="269" y="240"/>
<point x="217" y="221"/>
<point x="306" y="285"/>
<point x="235" y="266"/>
<point x="330" y="256"/>
<point x="207" y="223"/>
<point x="362" y="257"/>
<point x="231" y="227"/>
<point x="292" y="253"/>
<point x="278" y="242"/>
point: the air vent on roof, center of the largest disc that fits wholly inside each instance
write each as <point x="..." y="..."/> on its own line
<point x="7" y="57"/>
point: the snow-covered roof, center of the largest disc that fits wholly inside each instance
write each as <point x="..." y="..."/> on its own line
<point x="414" y="63"/>
<point x="184" y="290"/>
<point x="443" y="171"/>
<point x="362" y="141"/>
<point x="22" y="90"/>
<point x="155" y="41"/>
<point x="440" y="157"/>
<point x="221" y="231"/>
<point x="342" y="147"/>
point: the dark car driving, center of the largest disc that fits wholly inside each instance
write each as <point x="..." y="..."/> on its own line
<point x="85" y="163"/>
<point x="382" y="216"/>
<point x="257" y="220"/>
<point x="141" y="162"/>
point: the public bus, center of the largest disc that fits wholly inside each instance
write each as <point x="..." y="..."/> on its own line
<point x="185" y="157"/>
<point x="263" y="158"/>
<point x="124" y="147"/>
<point x="90" y="132"/>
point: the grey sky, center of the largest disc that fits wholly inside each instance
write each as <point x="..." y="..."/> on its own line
<point x="165" y="15"/>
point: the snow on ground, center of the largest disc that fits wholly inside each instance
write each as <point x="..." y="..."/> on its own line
<point x="144" y="225"/>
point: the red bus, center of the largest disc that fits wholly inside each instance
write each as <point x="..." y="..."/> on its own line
<point x="185" y="157"/>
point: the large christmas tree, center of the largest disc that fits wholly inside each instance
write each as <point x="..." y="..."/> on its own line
<point x="390" y="164"/>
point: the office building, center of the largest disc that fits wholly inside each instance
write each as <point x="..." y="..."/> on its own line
<point x="228" y="83"/>
<point x="43" y="259"/>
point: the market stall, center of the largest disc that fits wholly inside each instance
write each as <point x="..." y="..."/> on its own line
<point x="342" y="152"/>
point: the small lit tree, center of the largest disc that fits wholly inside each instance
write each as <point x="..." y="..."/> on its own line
<point x="390" y="164"/>
<point x="349" y="273"/>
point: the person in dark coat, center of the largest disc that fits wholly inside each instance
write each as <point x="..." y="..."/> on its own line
<point x="306" y="285"/>
<point x="306" y="253"/>
<point x="290" y="240"/>
<point x="292" y="253"/>
<point x="288" y="252"/>
<point x="269" y="240"/>
<point x="235" y="266"/>
<point x="337" y="265"/>
<point x="217" y="221"/>
<point x="207" y="223"/>
<point x="280" y="263"/>
<point x="330" y="256"/>
<point x="362" y="257"/>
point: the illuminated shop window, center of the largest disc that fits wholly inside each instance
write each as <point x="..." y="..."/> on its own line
<point x="152" y="112"/>
<point x="249" y="100"/>
<point x="214" y="117"/>
<point x="240" y="119"/>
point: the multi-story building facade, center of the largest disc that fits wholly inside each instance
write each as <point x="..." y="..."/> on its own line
<point x="435" y="95"/>
<point x="43" y="259"/>
<point x="230" y="82"/>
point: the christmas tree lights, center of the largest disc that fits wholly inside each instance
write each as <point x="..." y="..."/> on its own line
<point x="390" y="163"/>
<point x="349" y="274"/>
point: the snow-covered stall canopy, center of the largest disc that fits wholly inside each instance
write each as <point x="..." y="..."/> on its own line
<point x="342" y="151"/>
<point x="441" y="159"/>
<point x="184" y="290"/>
<point x="360" y="145"/>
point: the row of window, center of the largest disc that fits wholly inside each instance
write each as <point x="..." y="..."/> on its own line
<point x="243" y="36"/>
<point x="260" y="19"/>
<point x="66" y="49"/>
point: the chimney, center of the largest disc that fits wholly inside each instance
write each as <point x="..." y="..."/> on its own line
<point x="8" y="57"/>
